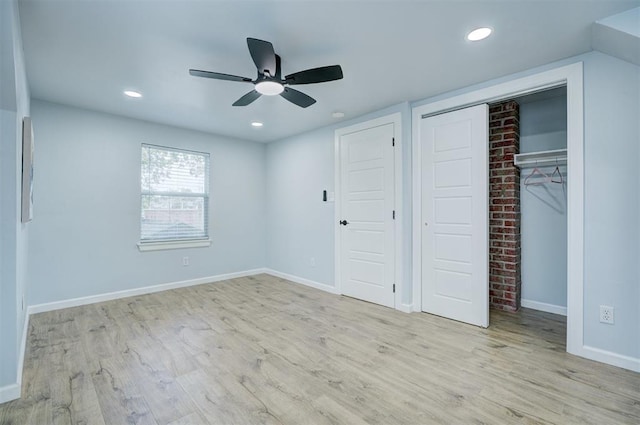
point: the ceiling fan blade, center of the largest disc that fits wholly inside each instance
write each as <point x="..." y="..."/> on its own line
<point x="297" y="97"/>
<point x="219" y="76"/>
<point x="263" y="55"/>
<point x="278" y="68"/>
<point x="247" y="98"/>
<point x="315" y="75"/>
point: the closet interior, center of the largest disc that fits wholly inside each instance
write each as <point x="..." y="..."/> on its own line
<point x="528" y="202"/>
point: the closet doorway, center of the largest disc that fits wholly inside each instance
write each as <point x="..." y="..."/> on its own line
<point x="570" y="77"/>
<point x="528" y="202"/>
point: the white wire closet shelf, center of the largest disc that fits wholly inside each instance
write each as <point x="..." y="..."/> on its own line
<point x="541" y="158"/>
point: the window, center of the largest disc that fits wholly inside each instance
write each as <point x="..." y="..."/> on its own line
<point x="174" y="197"/>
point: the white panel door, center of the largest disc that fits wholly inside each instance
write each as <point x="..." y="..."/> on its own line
<point x="454" y="228"/>
<point x="367" y="263"/>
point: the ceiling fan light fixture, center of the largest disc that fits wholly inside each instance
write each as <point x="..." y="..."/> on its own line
<point x="479" y="34"/>
<point x="269" y="88"/>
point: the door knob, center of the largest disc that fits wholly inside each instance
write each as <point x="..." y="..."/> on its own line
<point x="344" y="222"/>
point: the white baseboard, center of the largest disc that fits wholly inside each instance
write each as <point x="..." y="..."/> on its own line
<point x="609" y="357"/>
<point x="303" y="281"/>
<point x="9" y="392"/>
<point x="74" y="302"/>
<point x="549" y="308"/>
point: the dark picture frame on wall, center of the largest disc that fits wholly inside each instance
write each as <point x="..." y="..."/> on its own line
<point x="27" y="170"/>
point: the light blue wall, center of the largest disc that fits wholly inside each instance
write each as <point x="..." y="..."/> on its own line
<point x="612" y="204"/>
<point x="300" y="225"/>
<point x="14" y="102"/>
<point x="8" y="248"/>
<point x="87" y="192"/>
<point x="543" y="126"/>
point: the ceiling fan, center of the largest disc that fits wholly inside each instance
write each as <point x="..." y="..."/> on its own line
<point x="269" y="80"/>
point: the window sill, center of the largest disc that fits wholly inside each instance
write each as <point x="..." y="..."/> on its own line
<point x="158" y="246"/>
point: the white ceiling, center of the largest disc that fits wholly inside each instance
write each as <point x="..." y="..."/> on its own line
<point x="86" y="52"/>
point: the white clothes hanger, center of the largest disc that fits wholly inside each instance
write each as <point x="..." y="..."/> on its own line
<point x="556" y="176"/>
<point x="534" y="172"/>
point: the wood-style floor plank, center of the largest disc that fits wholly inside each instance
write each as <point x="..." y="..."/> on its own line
<point x="261" y="350"/>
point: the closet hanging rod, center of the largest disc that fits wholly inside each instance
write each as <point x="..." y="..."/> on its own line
<point x="541" y="159"/>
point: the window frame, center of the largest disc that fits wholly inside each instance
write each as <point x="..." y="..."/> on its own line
<point x="176" y="243"/>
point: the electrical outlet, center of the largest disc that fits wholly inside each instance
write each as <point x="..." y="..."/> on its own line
<point x="606" y="314"/>
<point x="312" y="262"/>
<point x="185" y="261"/>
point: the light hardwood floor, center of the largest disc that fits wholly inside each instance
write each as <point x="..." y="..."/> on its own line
<point x="261" y="350"/>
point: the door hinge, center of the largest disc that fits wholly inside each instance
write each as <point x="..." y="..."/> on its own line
<point x="394" y="214"/>
<point x="394" y="288"/>
<point x="393" y="141"/>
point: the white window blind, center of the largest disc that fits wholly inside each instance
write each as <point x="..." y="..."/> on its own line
<point x="174" y="194"/>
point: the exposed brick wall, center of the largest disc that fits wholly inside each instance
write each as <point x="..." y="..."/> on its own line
<point x="504" y="207"/>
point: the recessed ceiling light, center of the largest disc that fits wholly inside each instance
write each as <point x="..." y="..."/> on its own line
<point x="257" y="124"/>
<point x="338" y="115"/>
<point x="479" y="34"/>
<point x="132" y="93"/>
<point x="269" y="88"/>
